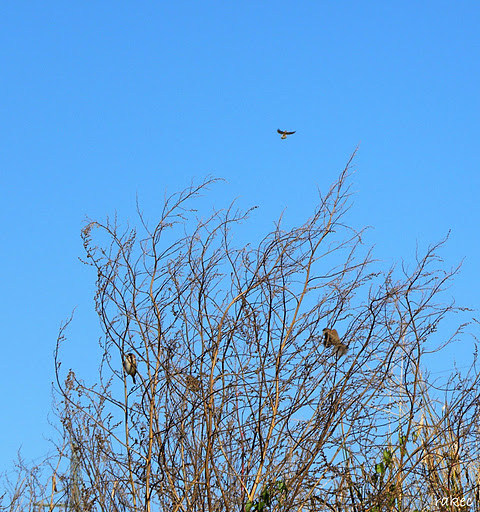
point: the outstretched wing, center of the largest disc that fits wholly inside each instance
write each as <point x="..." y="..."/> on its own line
<point x="281" y="131"/>
<point x="289" y="133"/>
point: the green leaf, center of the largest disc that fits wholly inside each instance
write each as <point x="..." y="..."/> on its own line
<point x="266" y="497"/>
<point x="380" y="468"/>
<point x="387" y="456"/>
<point x="248" y="506"/>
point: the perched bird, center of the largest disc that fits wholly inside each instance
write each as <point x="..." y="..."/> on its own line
<point x="130" y="365"/>
<point x="332" y="339"/>
<point x="284" y="133"/>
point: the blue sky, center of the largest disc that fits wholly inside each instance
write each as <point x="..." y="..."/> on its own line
<point x="106" y="101"/>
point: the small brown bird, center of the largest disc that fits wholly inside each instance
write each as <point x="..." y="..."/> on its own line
<point x="332" y="339"/>
<point x="130" y="365"/>
<point x="284" y="133"/>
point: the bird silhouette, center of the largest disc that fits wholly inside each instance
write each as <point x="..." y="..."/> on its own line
<point x="284" y="133"/>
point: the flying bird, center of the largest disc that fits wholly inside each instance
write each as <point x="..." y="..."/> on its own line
<point x="130" y="365"/>
<point x="284" y="133"/>
<point x="332" y="339"/>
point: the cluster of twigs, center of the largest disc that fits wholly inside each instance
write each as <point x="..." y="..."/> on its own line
<point x="238" y="406"/>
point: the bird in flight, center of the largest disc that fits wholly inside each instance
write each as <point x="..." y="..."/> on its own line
<point x="284" y="133"/>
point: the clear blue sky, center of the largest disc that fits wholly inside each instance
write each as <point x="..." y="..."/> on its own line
<point x="103" y="101"/>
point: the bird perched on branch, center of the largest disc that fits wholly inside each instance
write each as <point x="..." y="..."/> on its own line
<point x="332" y="339"/>
<point x="130" y="365"/>
<point x="284" y="133"/>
